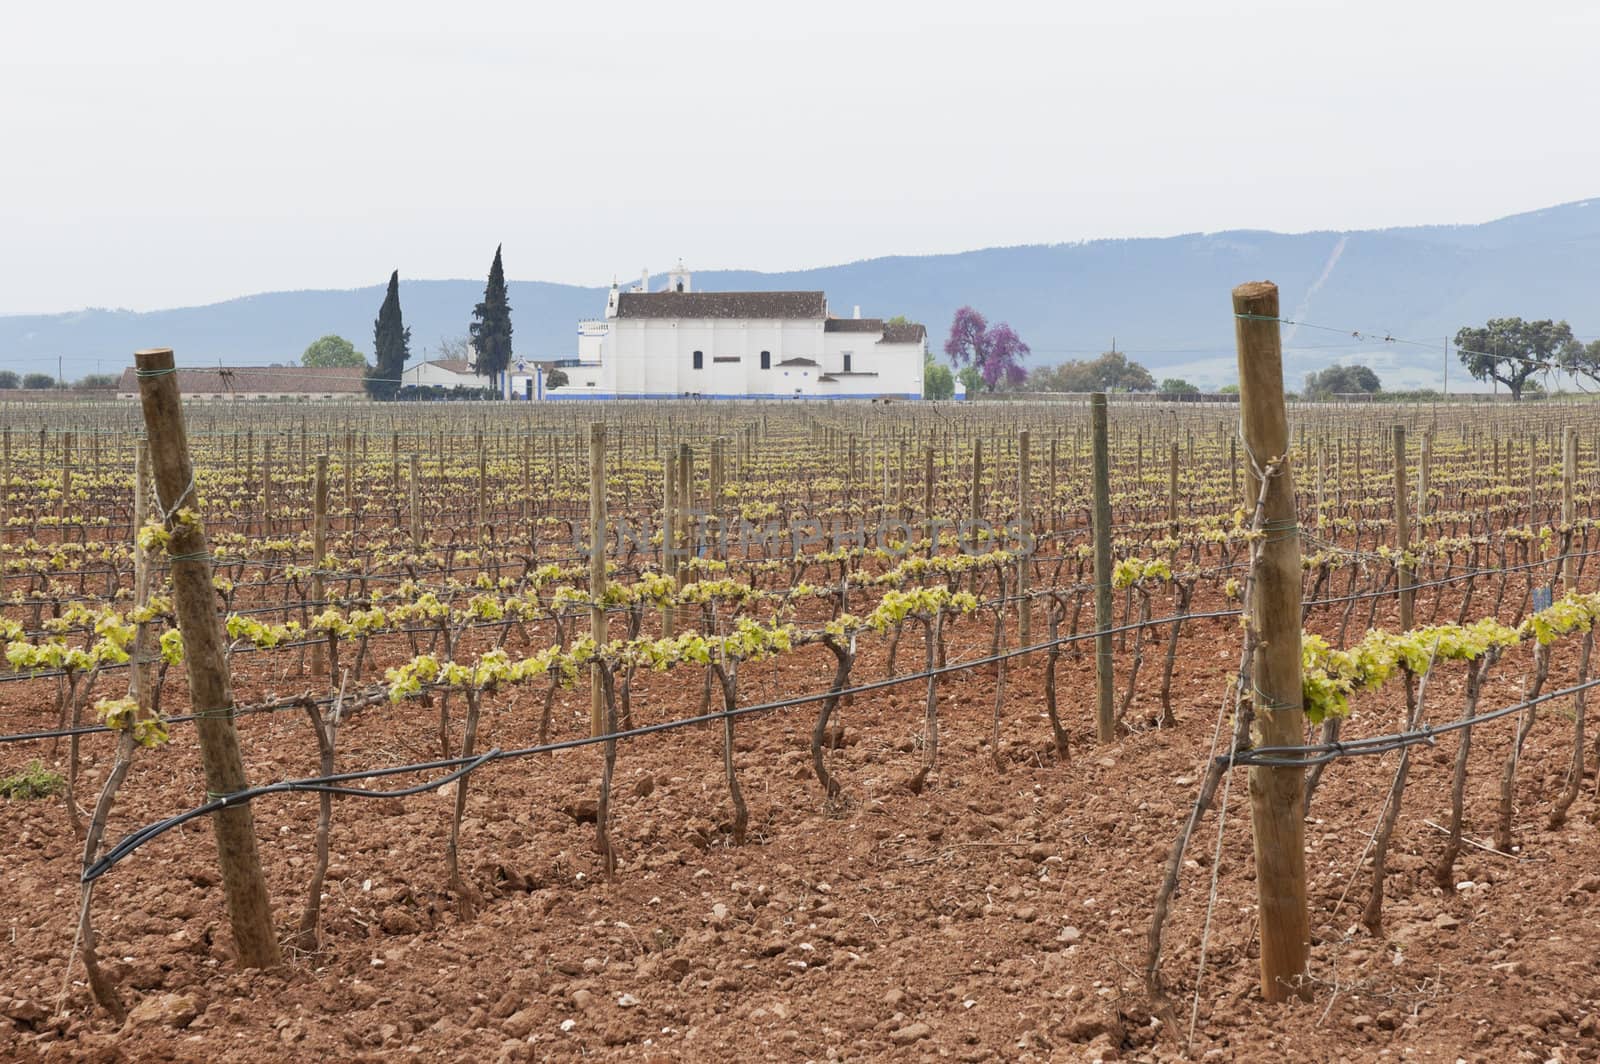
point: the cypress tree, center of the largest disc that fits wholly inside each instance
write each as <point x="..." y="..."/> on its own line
<point x="391" y="345"/>
<point x="491" y="325"/>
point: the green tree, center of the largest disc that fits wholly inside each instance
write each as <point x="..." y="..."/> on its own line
<point x="391" y="345"/>
<point x="1510" y="350"/>
<point x="96" y="382"/>
<point x="333" y="351"/>
<point x="8" y="379"/>
<point x="1111" y="372"/>
<point x="1342" y="380"/>
<point x="555" y="378"/>
<point x="1228" y="389"/>
<point x="491" y="325"/>
<point x="1583" y="359"/>
<point x="1178" y="386"/>
<point x="971" y="379"/>
<point x="937" y="382"/>
<point x="38" y="382"/>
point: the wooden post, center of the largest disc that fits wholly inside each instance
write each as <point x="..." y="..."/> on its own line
<point x="1025" y="519"/>
<point x="249" y="907"/>
<point x="266" y="486"/>
<point x="1569" y="479"/>
<point x="1105" y="719"/>
<point x="927" y="500"/>
<point x="5" y="484"/>
<point x="350" y="479"/>
<point x="483" y="491"/>
<point x="1172" y="489"/>
<point x="1233" y="466"/>
<point x="1276" y="794"/>
<point x="141" y="683"/>
<point x="1424" y="476"/>
<point x="597" y="570"/>
<point x="319" y="554"/>
<point x="685" y="498"/>
<point x="1054" y="447"/>
<point x="1402" y="528"/>
<point x="416" y="500"/>
<point x="669" y="525"/>
<point x="66" y="473"/>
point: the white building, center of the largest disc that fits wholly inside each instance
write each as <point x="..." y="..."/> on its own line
<point x="739" y="345"/>
<point x="443" y="373"/>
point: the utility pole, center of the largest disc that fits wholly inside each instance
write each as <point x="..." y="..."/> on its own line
<point x="1447" y="367"/>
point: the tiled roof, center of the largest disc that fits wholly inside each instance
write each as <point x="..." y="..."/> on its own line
<point x="853" y="325"/>
<point x="259" y="380"/>
<point x="909" y="333"/>
<point x="754" y="305"/>
<point x="454" y="365"/>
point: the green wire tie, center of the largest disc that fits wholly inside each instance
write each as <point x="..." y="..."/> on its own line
<point x="1266" y="701"/>
<point x="219" y="713"/>
<point x="146" y="374"/>
<point x="214" y="796"/>
<point x="1258" y="317"/>
<point x="197" y="556"/>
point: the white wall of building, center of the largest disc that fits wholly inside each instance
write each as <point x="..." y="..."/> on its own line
<point x="653" y="357"/>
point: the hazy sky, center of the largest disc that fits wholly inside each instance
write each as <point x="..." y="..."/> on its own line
<point x="164" y="154"/>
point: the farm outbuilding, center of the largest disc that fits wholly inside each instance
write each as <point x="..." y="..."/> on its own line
<point x="259" y="383"/>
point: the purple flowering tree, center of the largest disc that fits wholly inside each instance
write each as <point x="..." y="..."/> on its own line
<point x="994" y="353"/>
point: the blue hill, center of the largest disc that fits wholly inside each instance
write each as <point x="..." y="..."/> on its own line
<point x="1165" y="301"/>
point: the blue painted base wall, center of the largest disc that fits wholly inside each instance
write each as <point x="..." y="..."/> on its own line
<point x="558" y="394"/>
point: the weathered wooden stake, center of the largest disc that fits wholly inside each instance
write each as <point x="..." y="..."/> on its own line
<point x="1402" y="529"/>
<point x="1275" y="793"/>
<point x="1105" y="719"/>
<point x="319" y="554"/>
<point x="597" y="571"/>
<point x="249" y="907"/>
<point x="416" y="499"/>
<point x="1025" y="520"/>
<point x="1569" y="480"/>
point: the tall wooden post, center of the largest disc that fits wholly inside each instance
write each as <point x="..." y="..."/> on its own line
<point x="5" y="483"/>
<point x="319" y="554"/>
<point x="1172" y="489"/>
<point x="1424" y="476"/>
<point x="597" y="570"/>
<point x="1276" y="794"/>
<point x="416" y="500"/>
<point x="483" y="491"/>
<point x="141" y="683"/>
<point x="266" y="486"/>
<point x="1054" y="447"/>
<point x="686" y="522"/>
<point x="66" y="473"/>
<point x="1569" y="479"/>
<point x="350" y="478"/>
<point x="1105" y="718"/>
<point x="1402" y="529"/>
<point x="1025" y="519"/>
<point x="249" y="907"/>
<point x="669" y="526"/>
<point x="927" y="501"/>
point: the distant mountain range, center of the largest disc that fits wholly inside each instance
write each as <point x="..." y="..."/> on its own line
<point x="1165" y="301"/>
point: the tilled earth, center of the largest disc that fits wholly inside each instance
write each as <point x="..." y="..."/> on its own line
<point x="985" y="915"/>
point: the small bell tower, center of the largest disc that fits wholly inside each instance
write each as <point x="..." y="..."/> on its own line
<point x="678" y="279"/>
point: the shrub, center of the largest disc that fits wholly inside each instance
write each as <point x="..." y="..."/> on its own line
<point x="35" y="781"/>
